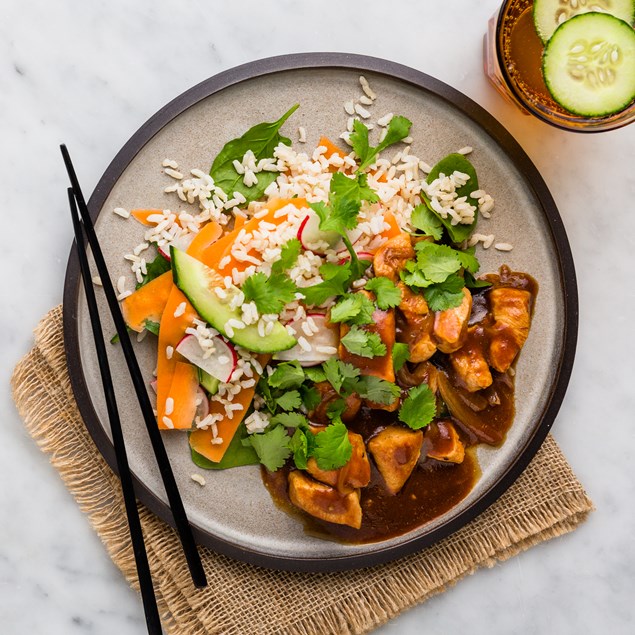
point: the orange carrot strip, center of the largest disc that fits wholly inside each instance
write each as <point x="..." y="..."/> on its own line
<point x="206" y="237"/>
<point x="394" y="230"/>
<point x="147" y="303"/>
<point x="183" y="391"/>
<point x="201" y="440"/>
<point x="239" y="221"/>
<point x="223" y="247"/>
<point x="173" y="328"/>
<point x="171" y="332"/>
<point x="142" y="215"/>
<point x="331" y="148"/>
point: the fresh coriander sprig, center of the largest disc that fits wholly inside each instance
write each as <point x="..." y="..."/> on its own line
<point x="398" y="129"/>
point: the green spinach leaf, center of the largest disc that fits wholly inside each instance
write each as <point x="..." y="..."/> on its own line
<point x="261" y="140"/>
<point x="447" y="165"/>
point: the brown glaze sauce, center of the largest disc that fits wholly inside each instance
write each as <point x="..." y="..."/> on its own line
<point x="434" y="487"/>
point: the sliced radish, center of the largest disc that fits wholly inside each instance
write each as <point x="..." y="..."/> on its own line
<point x="220" y="364"/>
<point x="326" y="335"/>
<point x="354" y="235"/>
<point x="313" y="238"/>
<point x="182" y="243"/>
<point x="362" y="255"/>
<point x="202" y="408"/>
<point x="153" y="385"/>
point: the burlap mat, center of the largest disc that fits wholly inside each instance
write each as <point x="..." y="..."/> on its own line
<point x="546" y="501"/>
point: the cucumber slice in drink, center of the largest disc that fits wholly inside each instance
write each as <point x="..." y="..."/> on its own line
<point x="589" y="64"/>
<point x="550" y="14"/>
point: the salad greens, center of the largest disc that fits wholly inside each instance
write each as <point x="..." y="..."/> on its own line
<point x="455" y="162"/>
<point x="262" y="140"/>
<point x="288" y="392"/>
<point x="398" y="129"/>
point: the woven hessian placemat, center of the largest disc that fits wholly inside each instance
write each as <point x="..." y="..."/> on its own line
<point x="545" y="502"/>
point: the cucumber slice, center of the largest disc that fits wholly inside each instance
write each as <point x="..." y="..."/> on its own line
<point x="550" y="14"/>
<point x="589" y="64"/>
<point x="198" y="281"/>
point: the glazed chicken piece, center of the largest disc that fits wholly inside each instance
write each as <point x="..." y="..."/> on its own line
<point x="419" y="325"/>
<point x="356" y="473"/>
<point x="442" y="442"/>
<point x="450" y="326"/>
<point x="396" y="451"/>
<point x="328" y="395"/>
<point x="392" y="256"/>
<point x="511" y="310"/>
<point x="324" y="501"/>
<point x="470" y="365"/>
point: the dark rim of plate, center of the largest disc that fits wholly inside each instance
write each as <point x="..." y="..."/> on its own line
<point x="517" y="156"/>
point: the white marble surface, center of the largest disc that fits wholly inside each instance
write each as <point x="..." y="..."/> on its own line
<point x="89" y="74"/>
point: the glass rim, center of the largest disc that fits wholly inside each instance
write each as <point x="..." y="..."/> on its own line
<point x="585" y="125"/>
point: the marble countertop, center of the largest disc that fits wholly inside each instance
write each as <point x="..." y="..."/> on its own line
<point x="90" y="74"/>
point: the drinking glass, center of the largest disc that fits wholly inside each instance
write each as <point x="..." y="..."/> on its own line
<point x="512" y="59"/>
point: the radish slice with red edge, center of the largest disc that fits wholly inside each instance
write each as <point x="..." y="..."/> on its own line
<point x="362" y="255"/>
<point x="182" y="243"/>
<point x="220" y="364"/>
<point x="202" y="407"/>
<point x="313" y="238"/>
<point x="326" y="335"/>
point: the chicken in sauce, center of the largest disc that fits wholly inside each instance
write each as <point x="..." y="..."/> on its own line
<point x="397" y="477"/>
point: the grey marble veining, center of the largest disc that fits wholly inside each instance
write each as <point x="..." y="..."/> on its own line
<point x="90" y="74"/>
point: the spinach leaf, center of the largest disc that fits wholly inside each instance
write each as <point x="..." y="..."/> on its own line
<point x="155" y="268"/>
<point x="447" y="166"/>
<point x="261" y="140"/>
<point x="236" y="454"/>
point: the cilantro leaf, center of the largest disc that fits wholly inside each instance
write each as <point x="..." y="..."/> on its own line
<point x="261" y="140"/>
<point x="315" y="374"/>
<point x="288" y="256"/>
<point x="445" y="295"/>
<point x="154" y="269"/>
<point x="354" y="308"/>
<point x="400" y="355"/>
<point x="360" y="143"/>
<point x="289" y="400"/>
<point x="398" y="129"/>
<point x="363" y="343"/>
<point x="468" y="260"/>
<point x="272" y="447"/>
<point x="269" y="293"/>
<point x="290" y="420"/>
<point x="419" y="407"/>
<point x="310" y="397"/>
<point x="335" y="282"/>
<point x="333" y="448"/>
<point x="388" y="295"/>
<point x="287" y="375"/>
<point x="345" y="200"/>
<point x="377" y="390"/>
<point x="436" y="262"/>
<point x="299" y="446"/>
<point x="358" y="267"/>
<point x="413" y="276"/>
<point x="475" y="283"/>
<point x="340" y="374"/>
<point x="427" y="222"/>
<point x="265" y="392"/>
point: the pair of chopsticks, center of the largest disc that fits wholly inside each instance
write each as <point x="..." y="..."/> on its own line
<point x="84" y="227"/>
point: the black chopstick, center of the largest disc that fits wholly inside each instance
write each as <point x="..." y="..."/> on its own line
<point x="171" y="489"/>
<point x="138" y="546"/>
